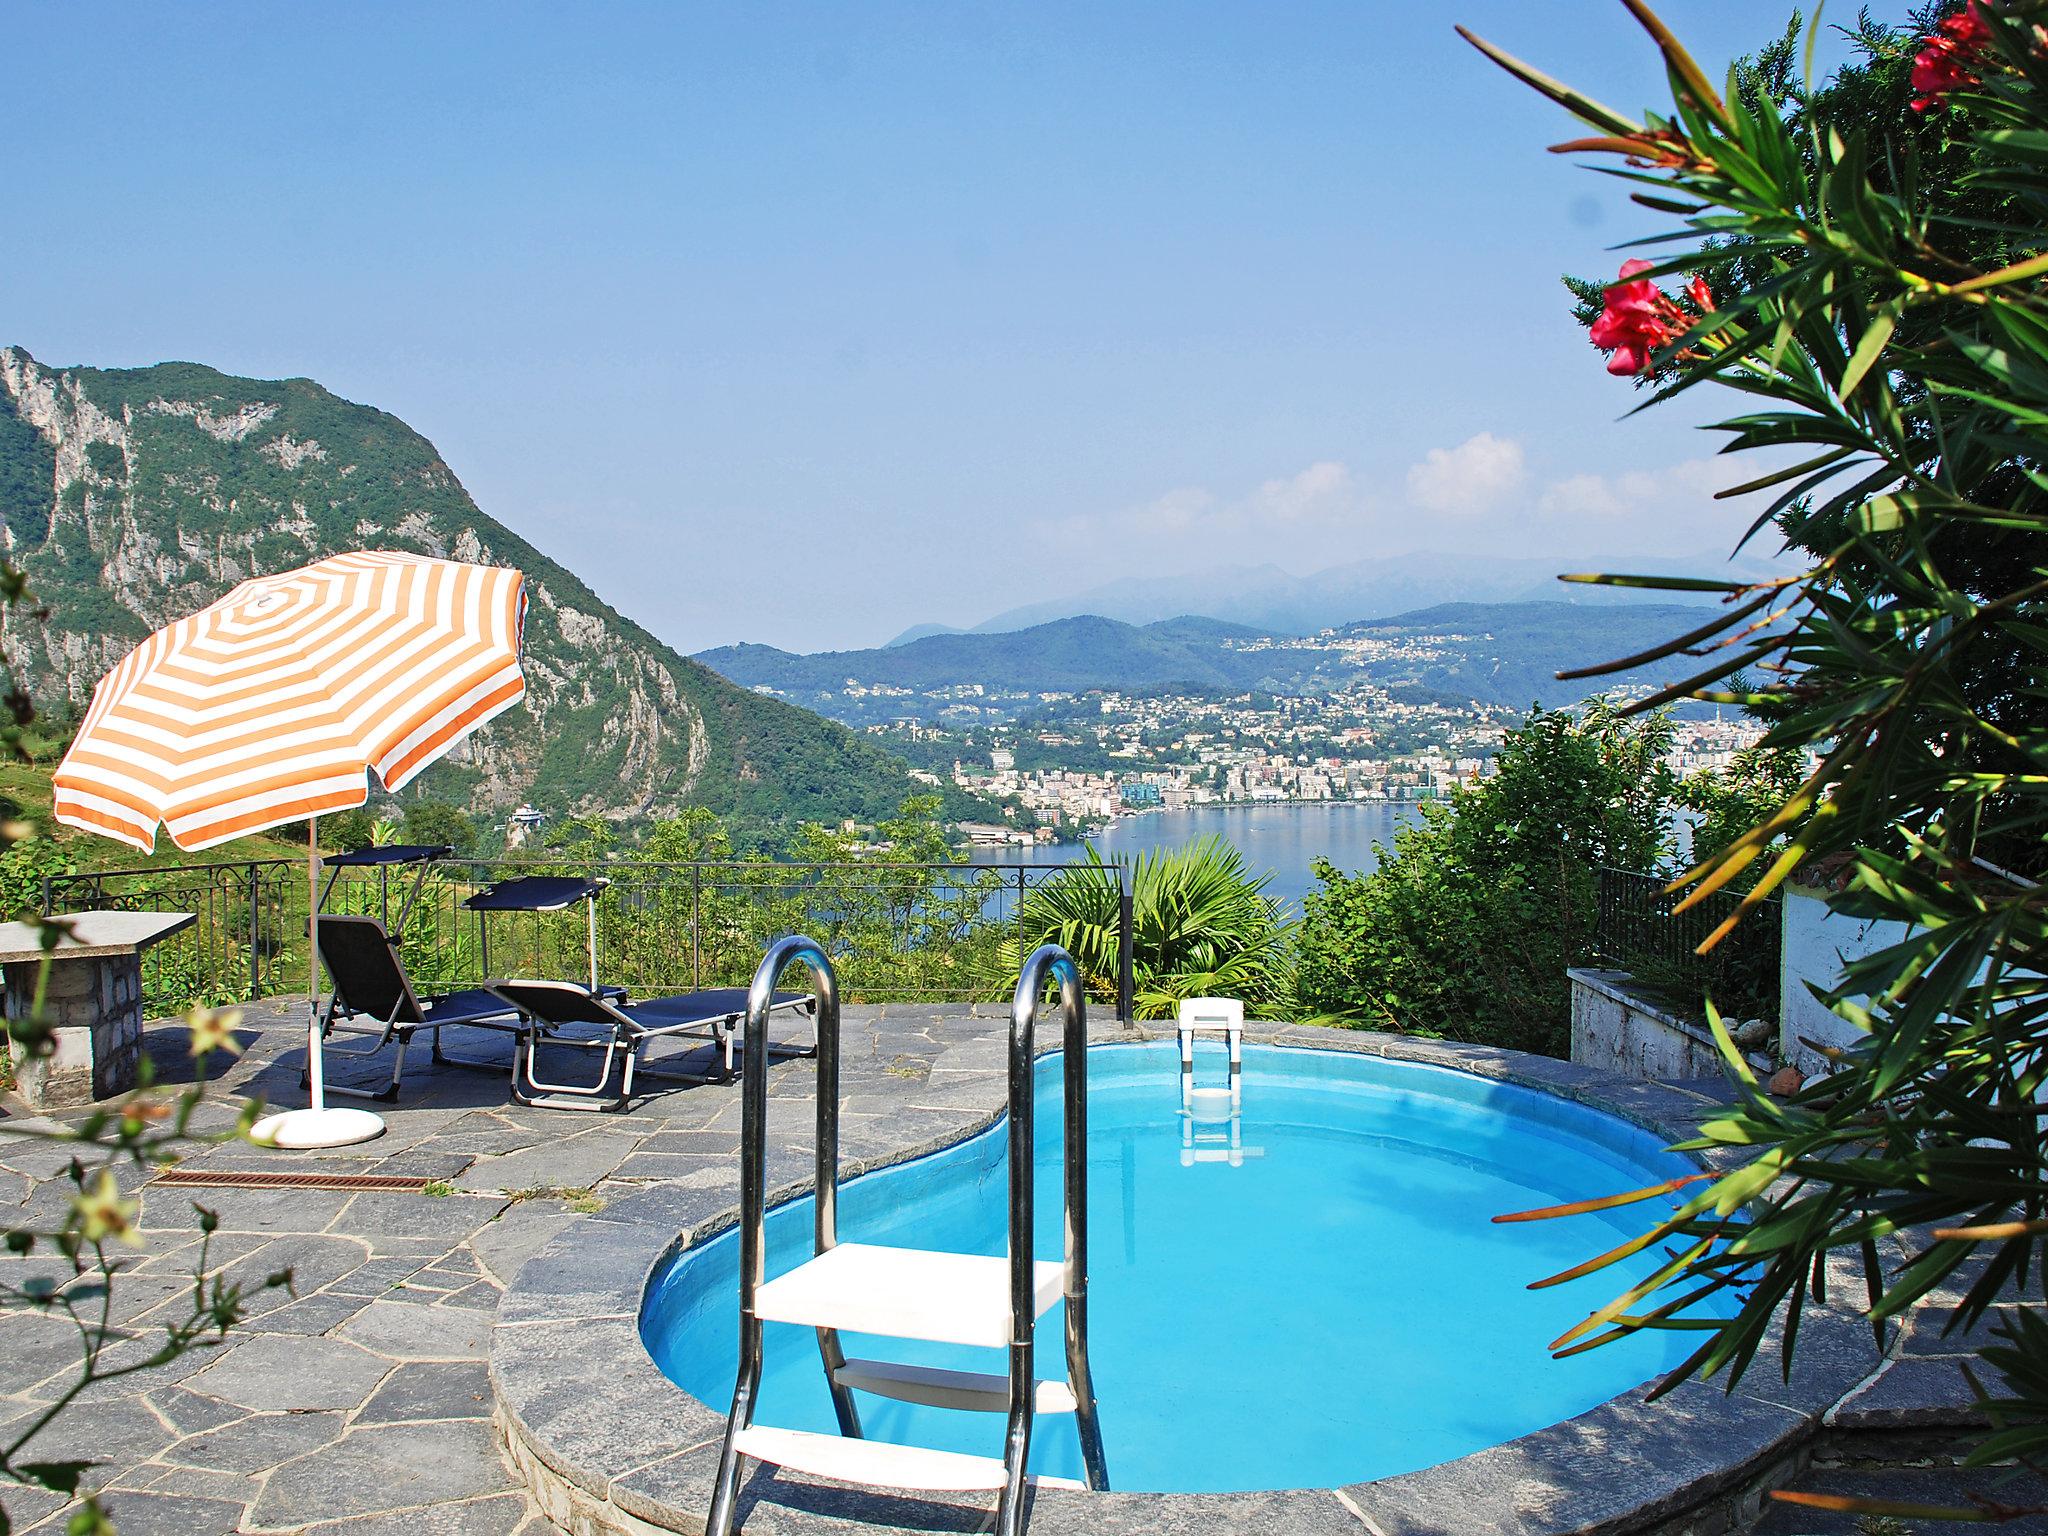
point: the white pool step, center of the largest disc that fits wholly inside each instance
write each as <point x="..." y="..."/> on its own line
<point x="905" y="1293"/>
<point x="877" y="1463"/>
<point x="936" y="1387"/>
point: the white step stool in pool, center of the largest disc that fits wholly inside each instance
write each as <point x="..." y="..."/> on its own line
<point x="914" y="1293"/>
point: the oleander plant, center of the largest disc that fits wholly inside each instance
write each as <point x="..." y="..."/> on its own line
<point x="1862" y="260"/>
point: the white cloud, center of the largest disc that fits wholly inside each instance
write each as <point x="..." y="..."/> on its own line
<point x="1689" y="484"/>
<point x="1192" y="524"/>
<point x="1323" y="491"/>
<point x="1476" y="476"/>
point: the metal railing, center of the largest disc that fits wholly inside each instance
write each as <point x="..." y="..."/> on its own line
<point x="1049" y="965"/>
<point x="926" y="932"/>
<point x="251" y="920"/>
<point x="1636" y="930"/>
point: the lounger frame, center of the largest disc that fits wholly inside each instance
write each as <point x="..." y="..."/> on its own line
<point x="552" y="1008"/>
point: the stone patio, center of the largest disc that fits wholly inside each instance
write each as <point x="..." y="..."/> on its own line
<point x="361" y="1402"/>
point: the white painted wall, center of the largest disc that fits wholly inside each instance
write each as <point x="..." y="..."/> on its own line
<point x="1817" y="944"/>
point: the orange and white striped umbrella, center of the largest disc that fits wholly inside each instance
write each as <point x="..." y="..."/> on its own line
<point x="274" y="704"/>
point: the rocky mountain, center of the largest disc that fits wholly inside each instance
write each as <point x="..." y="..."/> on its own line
<point x="133" y="496"/>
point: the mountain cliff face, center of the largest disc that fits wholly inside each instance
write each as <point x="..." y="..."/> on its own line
<point x="134" y="496"/>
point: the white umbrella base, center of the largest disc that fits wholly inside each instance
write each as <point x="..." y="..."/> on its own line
<point x="299" y="1128"/>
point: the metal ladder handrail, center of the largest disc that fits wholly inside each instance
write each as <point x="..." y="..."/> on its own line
<point x="754" y="1196"/>
<point x="1048" y="962"/>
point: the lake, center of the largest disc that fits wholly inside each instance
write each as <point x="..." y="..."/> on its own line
<point x="1286" y="839"/>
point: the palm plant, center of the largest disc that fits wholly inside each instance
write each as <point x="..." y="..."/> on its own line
<point x="1202" y="925"/>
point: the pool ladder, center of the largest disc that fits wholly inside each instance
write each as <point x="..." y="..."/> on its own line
<point x="1211" y="1123"/>
<point x="914" y="1293"/>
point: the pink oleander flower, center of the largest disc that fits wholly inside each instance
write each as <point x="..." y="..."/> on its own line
<point x="1636" y="321"/>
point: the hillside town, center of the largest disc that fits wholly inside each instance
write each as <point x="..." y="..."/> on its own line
<point x="1071" y="764"/>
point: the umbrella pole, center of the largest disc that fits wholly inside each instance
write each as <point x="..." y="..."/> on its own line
<point x="316" y="1125"/>
<point x="315" y="1057"/>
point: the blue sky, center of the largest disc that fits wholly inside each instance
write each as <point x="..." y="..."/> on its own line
<point x="802" y="324"/>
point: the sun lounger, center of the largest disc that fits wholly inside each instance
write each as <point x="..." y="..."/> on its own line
<point x="373" y="998"/>
<point x="564" y="1014"/>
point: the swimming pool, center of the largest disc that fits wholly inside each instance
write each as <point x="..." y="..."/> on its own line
<point x="1311" y="1294"/>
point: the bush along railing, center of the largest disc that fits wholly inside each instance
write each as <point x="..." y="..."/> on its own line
<point x="1637" y="930"/>
<point x="896" y="932"/>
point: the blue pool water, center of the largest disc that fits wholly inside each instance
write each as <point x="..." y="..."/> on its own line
<point x="1337" y="1305"/>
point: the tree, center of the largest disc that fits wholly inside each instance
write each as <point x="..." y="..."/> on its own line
<point x="582" y="839"/>
<point x="695" y="837"/>
<point x="1730" y="803"/>
<point x="1866" y="264"/>
<point x="348" y="831"/>
<point x="1466" y="927"/>
<point x="898" y="912"/>
<point x="433" y="822"/>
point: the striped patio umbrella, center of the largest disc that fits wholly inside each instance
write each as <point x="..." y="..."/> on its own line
<point x="275" y="704"/>
<point x="278" y="702"/>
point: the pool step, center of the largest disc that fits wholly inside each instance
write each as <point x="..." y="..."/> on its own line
<point x="905" y="1293"/>
<point x="936" y="1387"/>
<point x="877" y="1463"/>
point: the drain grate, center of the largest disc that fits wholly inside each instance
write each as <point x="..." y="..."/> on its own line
<point x="227" y="1179"/>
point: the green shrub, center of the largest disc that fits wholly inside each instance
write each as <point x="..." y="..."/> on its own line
<point x="1466" y="927"/>
<point x="1862" y="261"/>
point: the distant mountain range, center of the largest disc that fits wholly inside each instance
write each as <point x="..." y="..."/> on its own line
<point x="1270" y="600"/>
<point x="133" y="496"/>
<point x="1490" y="653"/>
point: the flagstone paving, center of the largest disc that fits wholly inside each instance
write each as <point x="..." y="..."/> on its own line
<point x="358" y="1401"/>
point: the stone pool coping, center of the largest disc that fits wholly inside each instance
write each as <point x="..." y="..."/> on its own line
<point x="609" y="1444"/>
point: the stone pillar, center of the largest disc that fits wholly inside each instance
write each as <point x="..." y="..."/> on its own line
<point x="95" y="1005"/>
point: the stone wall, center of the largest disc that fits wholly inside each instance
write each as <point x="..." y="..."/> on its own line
<point x="1615" y="1029"/>
<point x="95" y="1006"/>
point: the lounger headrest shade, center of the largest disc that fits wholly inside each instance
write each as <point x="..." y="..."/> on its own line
<point x="390" y="853"/>
<point x="535" y="893"/>
<point x="365" y="969"/>
<point x="556" y="1002"/>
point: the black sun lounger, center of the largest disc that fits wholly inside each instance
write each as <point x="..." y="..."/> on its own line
<point x="384" y="858"/>
<point x="542" y="893"/>
<point x="562" y="1013"/>
<point x="373" y="997"/>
